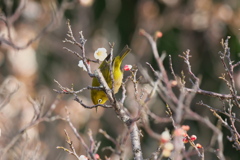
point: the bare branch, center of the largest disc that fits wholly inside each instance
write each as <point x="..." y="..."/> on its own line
<point x="38" y="119"/>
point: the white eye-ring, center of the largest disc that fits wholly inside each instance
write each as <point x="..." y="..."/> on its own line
<point x="99" y="100"/>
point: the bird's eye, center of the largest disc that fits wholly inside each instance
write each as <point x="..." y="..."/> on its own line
<point x="99" y="100"/>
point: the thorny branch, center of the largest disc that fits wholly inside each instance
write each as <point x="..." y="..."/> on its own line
<point x="90" y="151"/>
<point x="7" y="93"/>
<point x="228" y="66"/>
<point x="160" y="65"/>
<point x="9" y="22"/>
<point x="70" y="143"/>
<point x="120" y="110"/>
<point x="119" y="143"/>
<point x="10" y="43"/>
<point x="231" y="99"/>
<point x="38" y="117"/>
<point x="181" y="104"/>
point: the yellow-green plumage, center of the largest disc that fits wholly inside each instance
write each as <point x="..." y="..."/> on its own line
<point x="99" y="97"/>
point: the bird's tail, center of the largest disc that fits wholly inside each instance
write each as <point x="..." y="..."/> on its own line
<point x="124" y="52"/>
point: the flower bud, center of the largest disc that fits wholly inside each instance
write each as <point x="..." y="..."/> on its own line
<point x="185" y="140"/>
<point x="199" y="145"/>
<point x="165" y="136"/>
<point x="193" y="137"/>
<point x="127" y="67"/>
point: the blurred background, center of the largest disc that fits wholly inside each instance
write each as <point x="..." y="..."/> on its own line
<point x="27" y="72"/>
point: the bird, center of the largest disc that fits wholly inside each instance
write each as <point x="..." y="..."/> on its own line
<point x="99" y="96"/>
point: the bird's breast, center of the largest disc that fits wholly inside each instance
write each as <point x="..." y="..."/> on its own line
<point x="117" y="81"/>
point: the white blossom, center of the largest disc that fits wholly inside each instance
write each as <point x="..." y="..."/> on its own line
<point x="81" y="65"/>
<point x="169" y="146"/>
<point x="82" y="157"/>
<point x="100" y="53"/>
<point x="165" y="136"/>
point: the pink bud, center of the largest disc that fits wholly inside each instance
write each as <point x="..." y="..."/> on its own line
<point x="159" y="34"/>
<point x="97" y="156"/>
<point x="193" y="137"/>
<point x="180" y="132"/>
<point x="199" y="145"/>
<point x="185" y="127"/>
<point x="185" y="140"/>
<point x="127" y="67"/>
